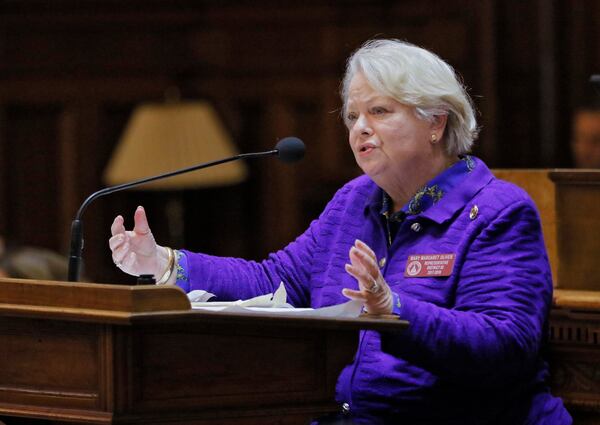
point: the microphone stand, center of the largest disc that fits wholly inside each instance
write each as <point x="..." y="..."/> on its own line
<point x="76" y="250"/>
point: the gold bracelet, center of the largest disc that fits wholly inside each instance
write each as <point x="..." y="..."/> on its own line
<point x="170" y="266"/>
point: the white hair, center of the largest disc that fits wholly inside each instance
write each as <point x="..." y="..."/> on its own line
<point x="416" y="77"/>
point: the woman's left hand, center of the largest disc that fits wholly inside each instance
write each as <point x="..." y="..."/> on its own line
<point x="373" y="291"/>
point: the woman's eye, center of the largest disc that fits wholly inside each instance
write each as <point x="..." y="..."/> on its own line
<point x="378" y="111"/>
<point x="351" y="117"/>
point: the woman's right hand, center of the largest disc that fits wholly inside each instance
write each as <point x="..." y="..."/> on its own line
<point x="134" y="251"/>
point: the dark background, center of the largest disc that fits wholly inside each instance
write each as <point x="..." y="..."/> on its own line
<point x="71" y="72"/>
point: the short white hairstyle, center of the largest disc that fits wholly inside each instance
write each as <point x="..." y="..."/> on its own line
<point x="416" y="77"/>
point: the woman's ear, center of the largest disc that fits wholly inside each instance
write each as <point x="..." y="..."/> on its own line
<point x="439" y="122"/>
<point x="438" y="127"/>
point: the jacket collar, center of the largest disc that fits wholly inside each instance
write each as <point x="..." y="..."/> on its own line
<point x="442" y="196"/>
<point x="456" y="199"/>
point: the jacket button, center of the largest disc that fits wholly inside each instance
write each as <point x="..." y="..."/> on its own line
<point x="416" y="227"/>
<point x="474" y="212"/>
<point x="382" y="263"/>
<point x="345" y="408"/>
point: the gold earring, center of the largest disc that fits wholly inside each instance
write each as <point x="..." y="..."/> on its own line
<point x="433" y="138"/>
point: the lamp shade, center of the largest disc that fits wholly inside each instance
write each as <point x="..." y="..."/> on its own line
<point x="165" y="137"/>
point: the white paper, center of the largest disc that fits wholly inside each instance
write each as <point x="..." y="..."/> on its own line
<point x="199" y="299"/>
<point x="272" y="303"/>
<point x="199" y="296"/>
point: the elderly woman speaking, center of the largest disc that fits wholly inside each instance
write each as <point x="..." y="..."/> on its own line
<point x="430" y="235"/>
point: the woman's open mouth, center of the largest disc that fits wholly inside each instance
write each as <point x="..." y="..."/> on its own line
<point x="366" y="148"/>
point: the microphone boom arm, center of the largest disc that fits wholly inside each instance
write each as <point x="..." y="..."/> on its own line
<point x="76" y="247"/>
<point x="120" y="187"/>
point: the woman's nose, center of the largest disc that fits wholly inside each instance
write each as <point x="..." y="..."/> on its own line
<point x="363" y="126"/>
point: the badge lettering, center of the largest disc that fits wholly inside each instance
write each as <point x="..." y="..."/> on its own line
<point x="429" y="265"/>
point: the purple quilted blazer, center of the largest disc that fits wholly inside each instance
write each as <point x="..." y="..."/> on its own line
<point x="471" y="354"/>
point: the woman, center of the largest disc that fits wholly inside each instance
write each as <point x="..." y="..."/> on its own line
<point x="430" y="235"/>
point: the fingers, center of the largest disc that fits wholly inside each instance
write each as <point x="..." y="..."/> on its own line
<point x="374" y="292"/>
<point x="364" y="279"/>
<point x="365" y="248"/>
<point x="363" y="255"/>
<point x="364" y="267"/>
<point x="141" y="222"/>
<point x="354" y="295"/>
<point x="117" y="226"/>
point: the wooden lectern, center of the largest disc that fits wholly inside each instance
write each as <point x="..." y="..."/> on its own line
<point x="90" y="353"/>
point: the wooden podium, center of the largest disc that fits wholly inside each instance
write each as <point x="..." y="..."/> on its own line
<point x="574" y="353"/>
<point x="90" y="353"/>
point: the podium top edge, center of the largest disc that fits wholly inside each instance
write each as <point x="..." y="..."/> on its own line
<point x="95" y="297"/>
<point x="586" y="176"/>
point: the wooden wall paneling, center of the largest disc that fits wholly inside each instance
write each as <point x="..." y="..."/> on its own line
<point x="279" y="204"/>
<point x="581" y="51"/>
<point x="330" y="131"/>
<point x="569" y="51"/>
<point x="312" y="188"/>
<point x="548" y="111"/>
<point x="486" y="100"/>
<point x="83" y="89"/>
<point x="31" y="146"/>
<point x="87" y="55"/>
<point x="4" y="171"/>
<point x="574" y="47"/>
<point x="333" y="157"/>
<point x="518" y="90"/>
<point x="241" y="235"/>
<point x="336" y="159"/>
<point x="67" y="173"/>
<point x="231" y="212"/>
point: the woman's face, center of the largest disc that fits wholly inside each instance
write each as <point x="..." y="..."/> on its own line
<point x="386" y="136"/>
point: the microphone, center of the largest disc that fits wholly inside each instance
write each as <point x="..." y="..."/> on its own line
<point x="288" y="149"/>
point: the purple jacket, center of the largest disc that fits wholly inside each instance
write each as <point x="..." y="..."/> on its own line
<point x="472" y="352"/>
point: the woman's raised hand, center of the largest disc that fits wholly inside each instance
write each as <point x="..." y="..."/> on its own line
<point x="374" y="291"/>
<point x="134" y="251"/>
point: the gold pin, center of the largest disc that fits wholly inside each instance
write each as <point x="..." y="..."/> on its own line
<point x="474" y="212"/>
<point x="382" y="262"/>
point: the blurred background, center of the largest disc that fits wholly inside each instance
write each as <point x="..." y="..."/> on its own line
<point x="73" y="71"/>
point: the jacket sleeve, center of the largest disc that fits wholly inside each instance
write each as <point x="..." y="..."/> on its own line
<point x="236" y="278"/>
<point x="493" y="332"/>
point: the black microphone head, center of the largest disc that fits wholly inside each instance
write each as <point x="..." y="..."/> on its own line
<point x="290" y="149"/>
